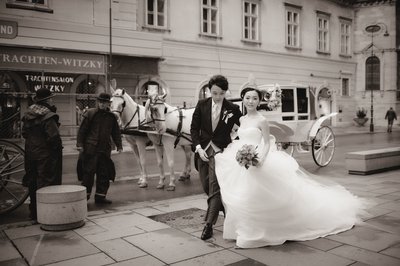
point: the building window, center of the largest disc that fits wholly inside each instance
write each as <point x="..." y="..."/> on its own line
<point x="345" y="87"/>
<point x="345" y="41"/>
<point x="322" y="33"/>
<point x="250" y="20"/>
<point x="292" y="27"/>
<point x="39" y="5"/>
<point x="372" y="73"/>
<point x="209" y="17"/>
<point x="156" y="14"/>
<point x="151" y="87"/>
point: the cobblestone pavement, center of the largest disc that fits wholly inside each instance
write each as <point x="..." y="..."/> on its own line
<point x="138" y="234"/>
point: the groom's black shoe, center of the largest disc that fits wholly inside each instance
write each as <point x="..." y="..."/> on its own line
<point x="207" y="232"/>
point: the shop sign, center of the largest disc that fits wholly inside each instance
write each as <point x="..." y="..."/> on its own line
<point x="8" y="29"/>
<point x="51" y="61"/>
<point x="54" y="82"/>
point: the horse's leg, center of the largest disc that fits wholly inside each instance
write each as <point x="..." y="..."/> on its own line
<point x="137" y="156"/>
<point x="133" y="143"/>
<point x="169" y="151"/>
<point x="141" y="146"/>
<point x="187" y="168"/>
<point x="160" y="162"/>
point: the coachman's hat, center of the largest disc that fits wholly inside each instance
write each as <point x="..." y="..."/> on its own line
<point x="43" y="94"/>
<point x="104" y="97"/>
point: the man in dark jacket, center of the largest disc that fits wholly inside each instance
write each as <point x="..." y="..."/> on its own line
<point x="390" y="116"/>
<point x="43" y="146"/>
<point x="212" y="123"/>
<point x="98" y="126"/>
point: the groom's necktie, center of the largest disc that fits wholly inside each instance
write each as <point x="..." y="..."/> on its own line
<point x="215" y="116"/>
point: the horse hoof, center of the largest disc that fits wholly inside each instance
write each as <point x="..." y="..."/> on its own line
<point x="171" y="188"/>
<point x="160" y="186"/>
<point x="143" y="185"/>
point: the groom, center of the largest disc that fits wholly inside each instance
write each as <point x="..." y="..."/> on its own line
<point x="212" y="123"/>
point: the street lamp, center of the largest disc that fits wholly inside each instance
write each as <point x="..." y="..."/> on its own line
<point x="372" y="29"/>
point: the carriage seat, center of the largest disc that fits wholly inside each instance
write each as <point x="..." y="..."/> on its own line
<point x="62" y="207"/>
<point x="373" y="161"/>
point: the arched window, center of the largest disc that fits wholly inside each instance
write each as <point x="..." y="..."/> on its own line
<point x="86" y="93"/>
<point x="148" y="88"/>
<point x="372" y="73"/>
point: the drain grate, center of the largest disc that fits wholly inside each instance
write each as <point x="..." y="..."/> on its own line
<point x="186" y="220"/>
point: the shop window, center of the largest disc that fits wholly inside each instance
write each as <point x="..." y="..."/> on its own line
<point x="38" y="5"/>
<point x="372" y="73"/>
<point x="86" y="93"/>
<point x="10" y="108"/>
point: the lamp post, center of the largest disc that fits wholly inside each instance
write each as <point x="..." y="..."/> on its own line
<point x="372" y="29"/>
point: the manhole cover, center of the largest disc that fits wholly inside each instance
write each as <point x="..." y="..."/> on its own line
<point x="185" y="220"/>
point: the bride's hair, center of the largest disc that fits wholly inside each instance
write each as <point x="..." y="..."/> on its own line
<point x="247" y="89"/>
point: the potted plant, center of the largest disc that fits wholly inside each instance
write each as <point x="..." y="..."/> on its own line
<point x="361" y="118"/>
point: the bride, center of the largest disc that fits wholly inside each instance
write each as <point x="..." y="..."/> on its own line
<point x="275" y="200"/>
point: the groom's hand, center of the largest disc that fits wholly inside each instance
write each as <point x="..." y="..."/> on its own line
<point x="203" y="155"/>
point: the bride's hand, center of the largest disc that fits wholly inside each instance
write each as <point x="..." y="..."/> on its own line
<point x="261" y="161"/>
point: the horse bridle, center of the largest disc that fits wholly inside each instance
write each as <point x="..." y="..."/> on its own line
<point x="122" y="110"/>
<point x="152" y="104"/>
<point x="123" y="105"/>
<point x="178" y="133"/>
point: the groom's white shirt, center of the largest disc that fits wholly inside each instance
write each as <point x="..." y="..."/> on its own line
<point x="218" y="111"/>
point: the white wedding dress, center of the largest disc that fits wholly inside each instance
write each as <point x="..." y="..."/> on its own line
<point x="278" y="201"/>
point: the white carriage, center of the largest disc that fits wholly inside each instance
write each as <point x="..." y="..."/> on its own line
<point x="296" y="122"/>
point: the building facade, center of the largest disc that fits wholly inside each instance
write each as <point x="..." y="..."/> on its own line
<point x="75" y="49"/>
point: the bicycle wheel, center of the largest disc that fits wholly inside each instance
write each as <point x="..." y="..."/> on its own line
<point x="12" y="192"/>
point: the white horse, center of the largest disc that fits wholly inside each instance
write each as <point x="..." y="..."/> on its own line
<point x="170" y="120"/>
<point x="132" y="116"/>
<point x="173" y="122"/>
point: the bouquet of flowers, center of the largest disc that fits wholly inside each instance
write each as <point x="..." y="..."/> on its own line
<point x="247" y="156"/>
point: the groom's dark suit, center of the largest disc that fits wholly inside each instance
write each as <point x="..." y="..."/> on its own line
<point x="203" y="134"/>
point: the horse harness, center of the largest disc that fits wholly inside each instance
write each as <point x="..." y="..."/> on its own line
<point x="178" y="133"/>
<point x="126" y="129"/>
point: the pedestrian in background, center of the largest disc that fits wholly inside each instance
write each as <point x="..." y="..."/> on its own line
<point x="43" y="146"/>
<point x="97" y="129"/>
<point x="390" y="116"/>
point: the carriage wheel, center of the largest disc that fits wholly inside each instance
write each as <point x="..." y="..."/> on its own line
<point x="285" y="146"/>
<point x="323" y="146"/>
<point x="12" y="192"/>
